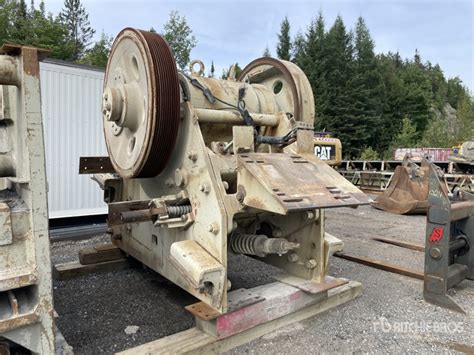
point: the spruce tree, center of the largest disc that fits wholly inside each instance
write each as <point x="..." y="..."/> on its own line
<point x="392" y="103"/>
<point x="79" y="31"/>
<point x="368" y="89"/>
<point x="338" y="116"/>
<point x="266" y="52"/>
<point x="299" y="48"/>
<point x="212" y="70"/>
<point x="313" y="60"/>
<point x="284" y="41"/>
<point x="20" y="30"/>
<point x="417" y="102"/>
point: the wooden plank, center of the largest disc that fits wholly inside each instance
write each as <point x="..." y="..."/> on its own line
<point x="399" y="243"/>
<point x="74" y="269"/>
<point x="100" y="253"/>
<point x="195" y="341"/>
<point x="382" y="265"/>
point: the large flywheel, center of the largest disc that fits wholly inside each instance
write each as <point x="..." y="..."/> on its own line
<point x="140" y="104"/>
<point x="290" y="86"/>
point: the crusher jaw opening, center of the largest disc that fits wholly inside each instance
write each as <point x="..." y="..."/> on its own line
<point x="201" y="167"/>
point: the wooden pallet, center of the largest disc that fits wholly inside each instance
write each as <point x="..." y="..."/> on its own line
<point x="283" y="305"/>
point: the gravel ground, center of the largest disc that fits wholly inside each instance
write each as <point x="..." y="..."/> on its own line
<point x="94" y="310"/>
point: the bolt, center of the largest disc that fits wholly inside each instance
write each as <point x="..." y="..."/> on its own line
<point x="229" y="285"/>
<point x="169" y="182"/>
<point x="192" y="155"/>
<point x="277" y="233"/>
<point x="311" y="264"/>
<point x="226" y="185"/>
<point x="213" y="228"/>
<point x="309" y="215"/>
<point x="293" y="257"/>
<point x="436" y="253"/>
<point x="205" y="188"/>
<point x="240" y="196"/>
<point x="180" y="177"/>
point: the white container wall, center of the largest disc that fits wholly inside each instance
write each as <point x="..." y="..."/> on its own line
<point x="71" y="102"/>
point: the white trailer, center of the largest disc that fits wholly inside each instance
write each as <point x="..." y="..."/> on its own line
<point x="71" y="102"/>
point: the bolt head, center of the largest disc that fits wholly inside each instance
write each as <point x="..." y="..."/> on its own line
<point x="436" y="253"/>
<point x="309" y="215"/>
<point x="311" y="264"/>
<point x="293" y="257"/>
<point x="213" y="228"/>
<point x="205" y="188"/>
<point x="277" y="233"/>
<point x="192" y="155"/>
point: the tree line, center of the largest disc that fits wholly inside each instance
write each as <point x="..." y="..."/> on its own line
<point x="373" y="102"/>
<point x="69" y="34"/>
<point x="376" y="102"/>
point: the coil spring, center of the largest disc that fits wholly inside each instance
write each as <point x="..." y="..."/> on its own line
<point x="244" y="243"/>
<point x="178" y="211"/>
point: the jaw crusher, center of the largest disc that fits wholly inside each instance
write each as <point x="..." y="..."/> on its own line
<point x="200" y="167"/>
<point x="26" y="297"/>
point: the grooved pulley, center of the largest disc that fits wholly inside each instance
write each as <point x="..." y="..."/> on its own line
<point x="140" y="104"/>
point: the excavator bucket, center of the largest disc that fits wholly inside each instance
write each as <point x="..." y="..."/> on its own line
<point x="408" y="190"/>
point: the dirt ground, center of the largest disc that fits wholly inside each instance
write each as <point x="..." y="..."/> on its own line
<point x="390" y="316"/>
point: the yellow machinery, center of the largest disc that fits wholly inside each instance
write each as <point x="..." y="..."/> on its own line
<point x="328" y="148"/>
<point x="200" y="167"/>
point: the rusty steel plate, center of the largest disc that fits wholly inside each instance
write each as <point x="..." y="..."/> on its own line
<point x="310" y="286"/>
<point x="95" y="165"/>
<point x="314" y="183"/>
<point x="235" y="300"/>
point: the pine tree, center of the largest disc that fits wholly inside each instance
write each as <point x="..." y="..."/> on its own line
<point x="417" y="102"/>
<point x="392" y="103"/>
<point x="79" y="31"/>
<point x="338" y="114"/>
<point x="284" y="41"/>
<point x="180" y="38"/>
<point x="7" y="16"/>
<point x="455" y="91"/>
<point x="212" y="70"/>
<point x="408" y="136"/>
<point x="266" y="52"/>
<point x="299" y="48"/>
<point x="368" y="89"/>
<point x="99" y="53"/>
<point x="20" y="29"/>
<point x="435" y="135"/>
<point x="465" y="119"/>
<point x="49" y="32"/>
<point x="313" y="59"/>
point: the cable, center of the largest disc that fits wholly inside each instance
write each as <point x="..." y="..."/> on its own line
<point x="285" y="140"/>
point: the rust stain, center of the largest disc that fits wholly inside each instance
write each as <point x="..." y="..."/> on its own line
<point x="30" y="61"/>
<point x="13" y="323"/>
<point x="256" y="203"/>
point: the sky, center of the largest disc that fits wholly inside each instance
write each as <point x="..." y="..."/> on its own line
<point x="239" y="30"/>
